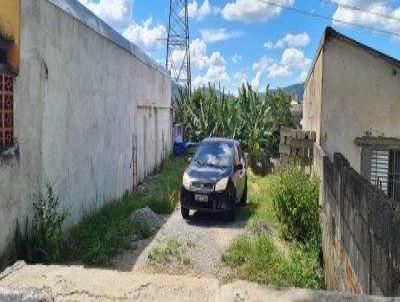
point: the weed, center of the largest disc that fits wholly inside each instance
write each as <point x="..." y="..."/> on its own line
<point x="255" y="258"/>
<point x="101" y="235"/>
<point x="44" y="243"/>
<point x="167" y="252"/>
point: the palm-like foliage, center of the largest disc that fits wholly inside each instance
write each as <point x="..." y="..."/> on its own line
<point x="252" y="118"/>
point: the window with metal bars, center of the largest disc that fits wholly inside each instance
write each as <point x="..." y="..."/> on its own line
<point x="6" y="110"/>
<point x="385" y="172"/>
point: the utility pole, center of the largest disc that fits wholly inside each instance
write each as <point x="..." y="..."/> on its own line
<point x="178" y="44"/>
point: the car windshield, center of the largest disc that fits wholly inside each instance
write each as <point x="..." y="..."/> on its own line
<point x="216" y="154"/>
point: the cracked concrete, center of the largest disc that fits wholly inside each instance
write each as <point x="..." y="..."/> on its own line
<point x="77" y="283"/>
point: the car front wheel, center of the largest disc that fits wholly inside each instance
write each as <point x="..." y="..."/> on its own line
<point x="185" y="213"/>
<point x="232" y="198"/>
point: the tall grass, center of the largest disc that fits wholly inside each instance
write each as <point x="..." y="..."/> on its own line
<point x="253" y="118"/>
<point x="261" y="254"/>
<point x="99" y="236"/>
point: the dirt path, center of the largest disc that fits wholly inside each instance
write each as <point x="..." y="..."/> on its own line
<point x="76" y="283"/>
<point x="203" y="240"/>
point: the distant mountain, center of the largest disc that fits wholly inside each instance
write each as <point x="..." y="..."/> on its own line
<point x="296" y="90"/>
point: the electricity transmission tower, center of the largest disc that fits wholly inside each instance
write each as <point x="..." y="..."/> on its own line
<point x="178" y="43"/>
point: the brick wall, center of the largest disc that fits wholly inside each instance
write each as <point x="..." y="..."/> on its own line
<point x="360" y="231"/>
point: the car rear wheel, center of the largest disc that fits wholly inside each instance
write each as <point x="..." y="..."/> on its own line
<point x="243" y="199"/>
<point x="185" y="213"/>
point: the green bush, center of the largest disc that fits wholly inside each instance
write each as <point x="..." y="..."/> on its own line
<point x="44" y="243"/>
<point x="295" y="199"/>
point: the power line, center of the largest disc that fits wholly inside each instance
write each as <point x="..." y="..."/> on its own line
<point x="320" y="16"/>
<point x="360" y="9"/>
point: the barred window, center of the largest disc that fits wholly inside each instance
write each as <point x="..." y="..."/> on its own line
<point x="385" y="172"/>
<point x="6" y="110"/>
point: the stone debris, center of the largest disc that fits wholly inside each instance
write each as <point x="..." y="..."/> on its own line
<point x="147" y="216"/>
<point x="143" y="188"/>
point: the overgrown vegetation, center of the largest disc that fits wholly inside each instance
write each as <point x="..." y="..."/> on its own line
<point x="253" y="118"/>
<point x="257" y="259"/>
<point x="44" y="243"/>
<point x="101" y="234"/>
<point x="262" y="255"/>
<point x="295" y="199"/>
<point x="168" y="252"/>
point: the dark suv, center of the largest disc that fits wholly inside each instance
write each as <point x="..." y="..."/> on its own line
<point x="216" y="179"/>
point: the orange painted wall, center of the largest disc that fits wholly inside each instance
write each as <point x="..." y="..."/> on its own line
<point x="10" y="27"/>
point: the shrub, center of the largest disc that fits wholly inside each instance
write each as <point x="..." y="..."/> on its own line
<point x="43" y="244"/>
<point x="295" y="199"/>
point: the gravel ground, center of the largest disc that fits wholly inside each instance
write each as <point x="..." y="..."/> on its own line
<point x="205" y="238"/>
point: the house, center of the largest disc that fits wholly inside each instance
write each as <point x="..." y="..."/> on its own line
<point x="352" y="102"/>
<point x="80" y="107"/>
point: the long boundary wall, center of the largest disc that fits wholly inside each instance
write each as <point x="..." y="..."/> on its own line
<point x="360" y="230"/>
<point x="92" y="114"/>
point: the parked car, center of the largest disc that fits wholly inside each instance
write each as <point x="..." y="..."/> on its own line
<point x="216" y="178"/>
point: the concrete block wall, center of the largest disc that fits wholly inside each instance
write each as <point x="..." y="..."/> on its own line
<point x="80" y="100"/>
<point x="360" y="231"/>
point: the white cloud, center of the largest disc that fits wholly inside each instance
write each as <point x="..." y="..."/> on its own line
<point x="236" y="58"/>
<point x="149" y="37"/>
<point x="219" y="34"/>
<point x="262" y="64"/>
<point x="117" y="13"/>
<point x="292" y="61"/>
<point x="346" y="14"/>
<point x="268" y="45"/>
<point x="260" y="67"/>
<point x="293" y="57"/>
<point x="216" y="72"/>
<point x="214" y="65"/>
<point x="255" y="83"/>
<point x="210" y="68"/>
<point x="198" y="54"/>
<point x="293" y="40"/>
<point x="253" y="10"/>
<point x="199" y="12"/>
<point x="240" y="78"/>
<point x="303" y="76"/>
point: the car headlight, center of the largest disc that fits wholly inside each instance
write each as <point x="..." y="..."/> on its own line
<point x="222" y="184"/>
<point x="186" y="181"/>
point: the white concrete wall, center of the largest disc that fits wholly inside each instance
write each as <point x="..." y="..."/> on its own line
<point x="360" y="96"/>
<point x="312" y="99"/>
<point x="79" y="104"/>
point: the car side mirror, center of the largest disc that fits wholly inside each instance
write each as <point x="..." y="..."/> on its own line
<point x="239" y="167"/>
<point x="189" y="160"/>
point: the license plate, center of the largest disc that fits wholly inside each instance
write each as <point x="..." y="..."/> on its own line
<point x="201" y="198"/>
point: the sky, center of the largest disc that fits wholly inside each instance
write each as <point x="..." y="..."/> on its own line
<point x="237" y="41"/>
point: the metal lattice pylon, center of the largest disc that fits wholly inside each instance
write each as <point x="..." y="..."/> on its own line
<point x="178" y="43"/>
